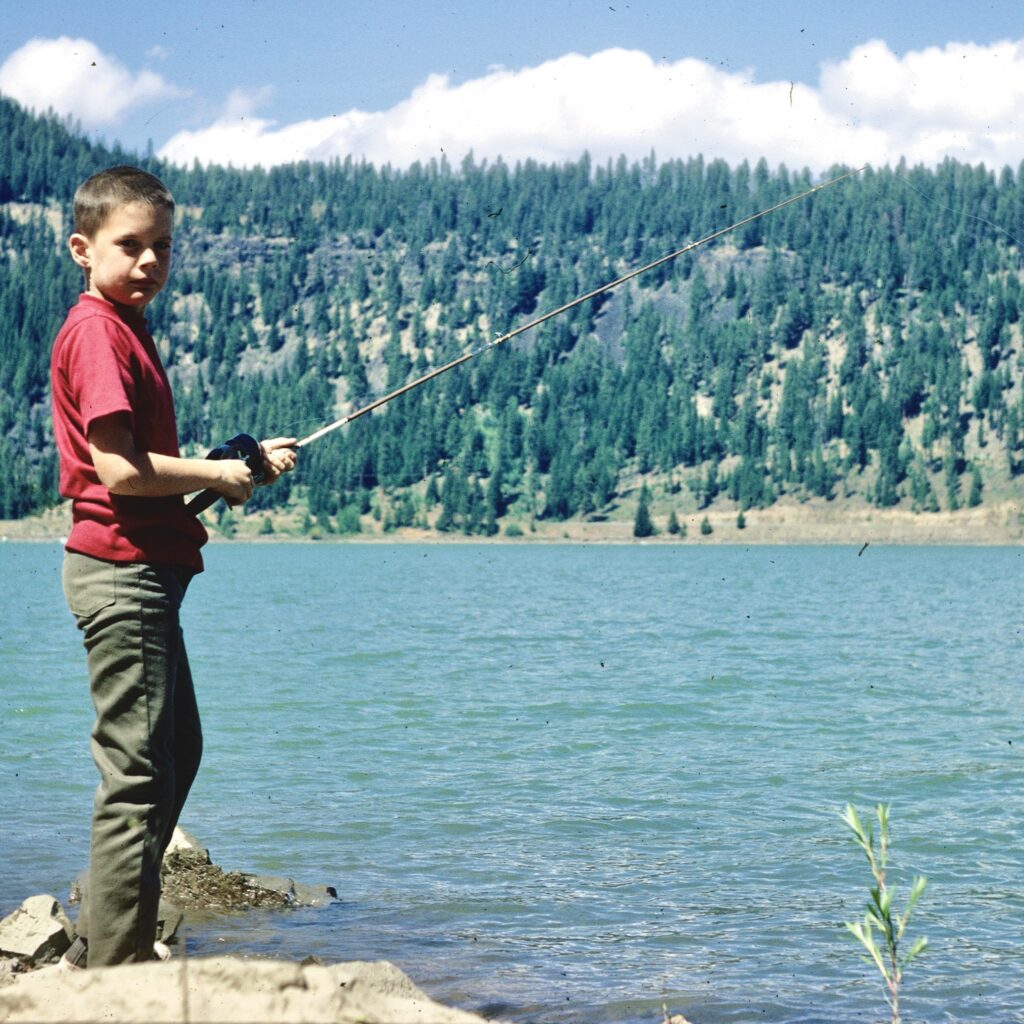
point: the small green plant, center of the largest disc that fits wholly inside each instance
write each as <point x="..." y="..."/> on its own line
<point x="880" y="916"/>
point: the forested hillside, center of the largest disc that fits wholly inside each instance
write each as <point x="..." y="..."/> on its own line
<point x="864" y="344"/>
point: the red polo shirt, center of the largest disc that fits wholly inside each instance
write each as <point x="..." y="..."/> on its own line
<point x="101" y="365"/>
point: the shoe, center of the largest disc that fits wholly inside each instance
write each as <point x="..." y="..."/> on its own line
<point x="77" y="956"/>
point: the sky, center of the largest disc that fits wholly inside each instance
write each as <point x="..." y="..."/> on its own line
<point x="248" y="82"/>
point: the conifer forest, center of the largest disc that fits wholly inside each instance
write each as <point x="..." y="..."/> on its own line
<point x="863" y="344"/>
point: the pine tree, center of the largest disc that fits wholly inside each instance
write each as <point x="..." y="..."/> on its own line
<point x="642" y="525"/>
<point x="974" y="496"/>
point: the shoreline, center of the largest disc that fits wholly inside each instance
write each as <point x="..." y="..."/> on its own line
<point x="782" y="524"/>
<point x="36" y="986"/>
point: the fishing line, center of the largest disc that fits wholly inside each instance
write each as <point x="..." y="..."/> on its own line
<point x="958" y="213"/>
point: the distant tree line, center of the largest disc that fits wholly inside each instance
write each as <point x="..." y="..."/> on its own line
<point x="864" y="343"/>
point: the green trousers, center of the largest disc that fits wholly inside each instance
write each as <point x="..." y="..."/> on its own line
<point x="146" y="742"/>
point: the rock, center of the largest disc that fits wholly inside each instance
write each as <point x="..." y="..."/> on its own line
<point x="297" y="894"/>
<point x="225" y="989"/>
<point x="194" y="888"/>
<point x="194" y="885"/>
<point x="198" y="888"/>
<point x="38" y="932"/>
<point x="675" y="1018"/>
<point x="168" y="920"/>
<point x="182" y="840"/>
<point x="9" y="967"/>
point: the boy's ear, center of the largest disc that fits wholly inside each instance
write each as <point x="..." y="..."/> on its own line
<point x="80" y="246"/>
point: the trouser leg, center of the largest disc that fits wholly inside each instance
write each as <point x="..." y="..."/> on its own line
<point x="146" y="743"/>
<point x="188" y="742"/>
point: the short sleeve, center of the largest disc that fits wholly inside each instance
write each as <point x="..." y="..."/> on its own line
<point x="98" y="370"/>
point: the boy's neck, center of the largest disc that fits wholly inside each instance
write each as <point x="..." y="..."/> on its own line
<point x="133" y="315"/>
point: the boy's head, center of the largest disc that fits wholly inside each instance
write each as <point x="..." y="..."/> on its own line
<point x="98" y="196"/>
<point x="124" y="218"/>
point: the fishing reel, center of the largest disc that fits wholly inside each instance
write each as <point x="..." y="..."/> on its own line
<point x="241" y="446"/>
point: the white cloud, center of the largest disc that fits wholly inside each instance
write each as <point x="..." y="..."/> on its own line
<point x="74" y="77"/>
<point x="873" y="107"/>
<point x="959" y="101"/>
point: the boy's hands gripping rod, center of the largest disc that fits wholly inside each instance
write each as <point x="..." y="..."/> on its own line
<point x="241" y="446"/>
<point x="245" y="447"/>
<point x="265" y="462"/>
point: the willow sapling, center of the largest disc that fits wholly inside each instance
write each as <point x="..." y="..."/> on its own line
<point x="880" y="916"/>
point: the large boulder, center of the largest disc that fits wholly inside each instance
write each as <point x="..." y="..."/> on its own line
<point x="223" y="990"/>
<point x="38" y="932"/>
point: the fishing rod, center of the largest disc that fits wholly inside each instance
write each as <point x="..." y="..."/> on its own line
<point x="245" y="447"/>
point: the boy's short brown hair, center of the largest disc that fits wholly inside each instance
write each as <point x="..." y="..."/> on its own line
<point x="99" y="195"/>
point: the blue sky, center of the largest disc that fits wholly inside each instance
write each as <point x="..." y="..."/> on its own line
<point x="263" y="81"/>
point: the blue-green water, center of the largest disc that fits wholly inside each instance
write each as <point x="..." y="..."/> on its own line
<point x="576" y="783"/>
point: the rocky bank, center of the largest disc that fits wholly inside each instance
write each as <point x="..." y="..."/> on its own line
<point x="34" y="987"/>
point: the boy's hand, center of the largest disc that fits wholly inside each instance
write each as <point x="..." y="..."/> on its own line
<point x="279" y="456"/>
<point x="234" y="481"/>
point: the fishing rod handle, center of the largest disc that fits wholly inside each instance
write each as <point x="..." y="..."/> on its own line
<point x="241" y="446"/>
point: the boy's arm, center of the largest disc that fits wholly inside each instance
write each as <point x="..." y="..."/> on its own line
<point x="124" y="469"/>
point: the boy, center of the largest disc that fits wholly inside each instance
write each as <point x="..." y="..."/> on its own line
<point x="131" y="552"/>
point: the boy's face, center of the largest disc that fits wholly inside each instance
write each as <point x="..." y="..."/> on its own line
<point x="127" y="260"/>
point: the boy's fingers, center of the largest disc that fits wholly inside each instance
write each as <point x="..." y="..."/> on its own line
<point x="276" y="461"/>
<point x="281" y="460"/>
<point x="279" y="455"/>
<point x="274" y="443"/>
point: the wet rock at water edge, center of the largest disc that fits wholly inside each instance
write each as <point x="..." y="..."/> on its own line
<point x="192" y="883"/>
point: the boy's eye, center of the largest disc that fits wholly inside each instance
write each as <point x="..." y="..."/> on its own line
<point x="133" y="245"/>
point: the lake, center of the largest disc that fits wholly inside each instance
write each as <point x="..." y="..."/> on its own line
<point x="576" y="783"/>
